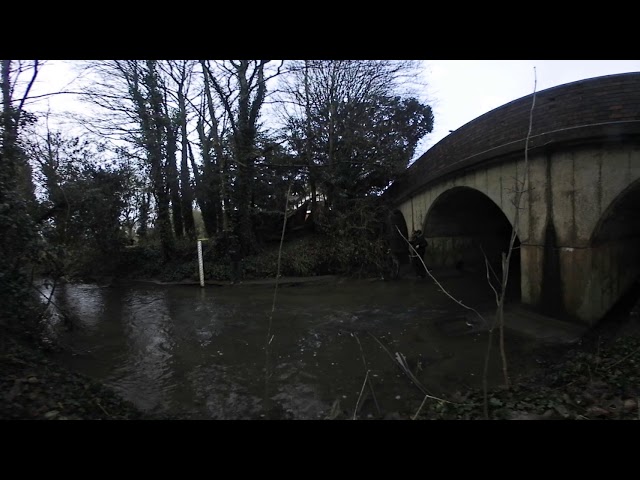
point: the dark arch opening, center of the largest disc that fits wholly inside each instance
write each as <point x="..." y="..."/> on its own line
<point x="616" y="251"/>
<point x="621" y="220"/>
<point x="462" y="226"/>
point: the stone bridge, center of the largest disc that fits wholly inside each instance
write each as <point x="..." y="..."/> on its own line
<point x="579" y="221"/>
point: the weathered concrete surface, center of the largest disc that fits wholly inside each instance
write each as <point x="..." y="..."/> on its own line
<point x="573" y="190"/>
<point x="579" y="214"/>
<point x="600" y="276"/>
<point x="532" y="264"/>
<point x="577" y="204"/>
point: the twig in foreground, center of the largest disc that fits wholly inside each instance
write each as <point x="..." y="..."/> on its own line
<point x="420" y="407"/>
<point x="355" y="411"/>
<point x="405" y="369"/>
<point x="364" y="362"/>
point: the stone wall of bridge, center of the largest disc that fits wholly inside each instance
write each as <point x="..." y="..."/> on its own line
<point x="579" y="249"/>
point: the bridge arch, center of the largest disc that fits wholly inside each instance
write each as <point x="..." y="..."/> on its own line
<point x="578" y="217"/>
<point x="462" y="225"/>
<point x="621" y="219"/>
<point x="614" y="252"/>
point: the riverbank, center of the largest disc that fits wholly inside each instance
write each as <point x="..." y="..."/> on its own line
<point x="593" y="380"/>
<point x="282" y="281"/>
<point x="34" y="387"/>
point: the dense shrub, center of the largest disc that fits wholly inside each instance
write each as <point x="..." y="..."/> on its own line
<point x="313" y="254"/>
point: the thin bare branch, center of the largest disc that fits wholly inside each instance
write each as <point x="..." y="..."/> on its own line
<point x="269" y="338"/>
<point x="364" y="362"/>
<point x="33" y="79"/>
<point x="506" y="259"/>
<point x="442" y="289"/>
<point x="487" y="268"/>
<point x="355" y="411"/>
<point x="420" y="407"/>
<point x="401" y="362"/>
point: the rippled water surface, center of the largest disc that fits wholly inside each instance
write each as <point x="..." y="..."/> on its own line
<point x="201" y="352"/>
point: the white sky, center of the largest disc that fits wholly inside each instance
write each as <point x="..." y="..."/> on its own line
<point x="462" y="90"/>
<point x="457" y="90"/>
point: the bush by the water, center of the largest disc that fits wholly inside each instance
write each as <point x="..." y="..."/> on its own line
<point x="309" y="255"/>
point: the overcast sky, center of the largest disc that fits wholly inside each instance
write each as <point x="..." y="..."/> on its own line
<point x="461" y="90"/>
<point x="457" y="90"/>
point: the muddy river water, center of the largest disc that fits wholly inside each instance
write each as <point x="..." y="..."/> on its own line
<point x="200" y="352"/>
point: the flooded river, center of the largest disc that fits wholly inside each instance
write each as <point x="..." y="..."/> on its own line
<point x="200" y="352"/>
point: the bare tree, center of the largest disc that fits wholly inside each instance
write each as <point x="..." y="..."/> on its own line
<point x="319" y="96"/>
<point x="18" y="235"/>
<point x="241" y="87"/>
<point x="132" y="96"/>
<point x="181" y="74"/>
<point x="173" y="183"/>
<point x="14" y="95"/>
<point x="214" y="186"/>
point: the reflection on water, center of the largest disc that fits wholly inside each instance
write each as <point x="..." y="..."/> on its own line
<point x="147" y="328"/>
<point x="201" y="352"/>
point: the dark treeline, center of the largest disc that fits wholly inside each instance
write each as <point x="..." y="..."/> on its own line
<point x="177" y="149"/>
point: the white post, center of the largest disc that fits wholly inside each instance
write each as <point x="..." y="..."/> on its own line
<point x="200" y="265"/>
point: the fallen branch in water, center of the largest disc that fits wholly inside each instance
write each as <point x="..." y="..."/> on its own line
<point x="401" y="361"/>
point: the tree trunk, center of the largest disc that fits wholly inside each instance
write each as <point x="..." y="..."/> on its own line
<point x="144" y="215"/>
<point x="152" y="127"/>
<point x="308" y="146"/>
<point x="207" y="192"/>
<point x="172" y="179"/>
<point x="185" y="180"/>
<point x="223" y="208"/>
<point x="249" y="92"/>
